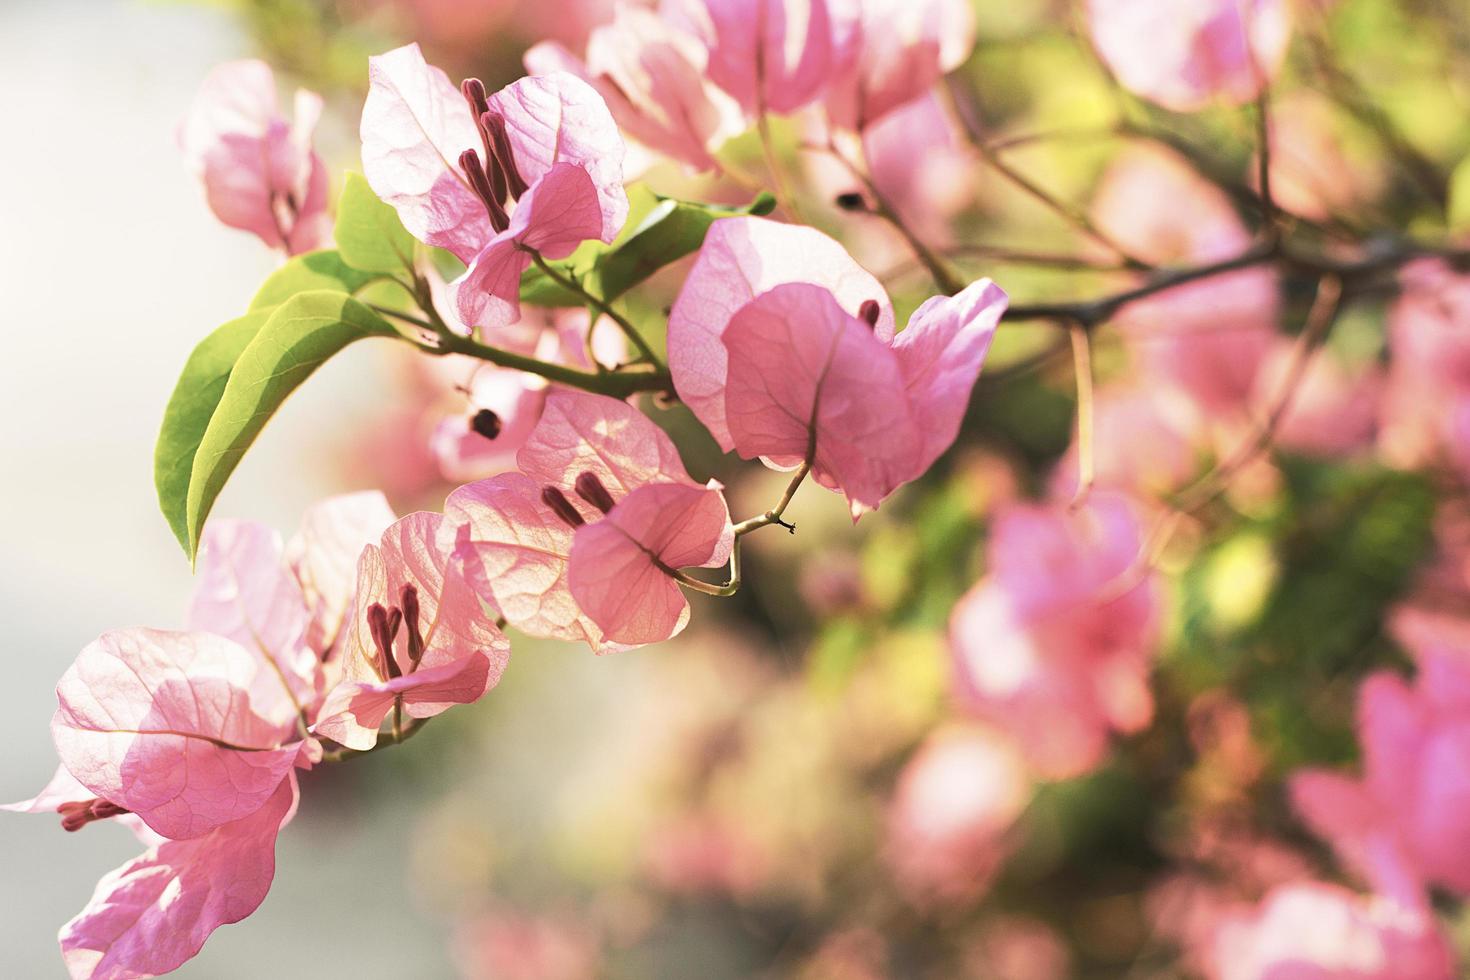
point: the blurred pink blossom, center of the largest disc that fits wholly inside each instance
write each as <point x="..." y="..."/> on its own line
<point x="1404" y="824"/>
<point x="903" y="48"/>
<point x="1428" y="396"/>
<point x="1055" y="644"/>
<point x="1012" y="947"/>
<point x="950" y="825"/>
<point x="1185" y="54"/>
<point x="1144" y="441"/>
<point x="259" y="171"/>
<point x="1334" y="407"/>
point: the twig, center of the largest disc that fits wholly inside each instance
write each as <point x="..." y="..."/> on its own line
<point x="773" y="516"/>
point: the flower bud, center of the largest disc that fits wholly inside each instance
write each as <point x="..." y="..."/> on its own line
<point x="486" y="423"/>
<point x="868" y="312"/>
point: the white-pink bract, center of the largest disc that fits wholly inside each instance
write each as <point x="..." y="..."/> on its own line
<point x="785" y="349"/>
<point x="259" y="171"/>
<point x="1054" y="645"/>
<point x="600" y="487"/>
<point x="1186" y="54"/>
<point x="1403" y="824"/>
<point x="562" y="143"/>
<point x="447" y="651"/>
<point x="655" y="80"/>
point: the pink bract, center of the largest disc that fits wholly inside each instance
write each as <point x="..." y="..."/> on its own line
<point x="259" y="171"/>
<point x="446" y="651"/>
<point x="654" y="79"/>
<point x="323" y="557"/>
<point x="1402" y="824"/>
<point x="563" y="173"/>
<point x="600" y="487"/>
<point x="740" y="259"/>
<point x="1185" y="54"/>
<point x="163" y="724"/>
<point x="771" y="55"/>
<point x="154" y="913"/>
<point x="1055" y="644"/>
<point x="903" y="48"/>
<point x="805" y="379"/>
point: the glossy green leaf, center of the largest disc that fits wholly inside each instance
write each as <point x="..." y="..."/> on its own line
<point x="311" y="271"/>
<point x="660" y="230"/>
<point x="297" y="338"/>
<point x="369" y="235"/>
<point x="189" y="410"/>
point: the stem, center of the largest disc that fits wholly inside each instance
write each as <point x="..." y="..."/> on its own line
<point x="768" y="151"/>
<point x="597" y="303"/>
<point x="1086" y="412"/>
<point x="615" y="385"/>
<point x="719" y="591"/>
<point x="404" y="733"/>
<point x="773" y="516"/>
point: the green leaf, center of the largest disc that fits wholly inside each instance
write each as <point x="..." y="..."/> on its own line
<point x="189" y="410"/>
<point x="369" y="235"/>
<point x="311" y="271"/>
<point x="296" y="339"/>
<point x="660" y="230"/>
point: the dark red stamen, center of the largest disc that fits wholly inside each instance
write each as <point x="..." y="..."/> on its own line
<point x="590" y="489"/>
<point x="494" y="124"/>
<point x="469" y="162"/>
<point x="868" y="312"/>
<point x="410" y="609"/>
<point x="75" y="816"/>
<point x="384" y="627"/>
<point x="487" y="423"/>
<point x="553" y="498"/>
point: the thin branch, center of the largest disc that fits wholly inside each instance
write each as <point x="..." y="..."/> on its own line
<point x="1086" y="411"/>
<point x="601" y="306"/>
<point x="773" y="516"/>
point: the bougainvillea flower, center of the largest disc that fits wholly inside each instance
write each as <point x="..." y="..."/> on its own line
<point x="259" y="171"/>
<point x="920" y="166"/>
<point x="904" y="47"/>
<point x="323" y="557"/>
<point x="1403" y="825"/>
<point x="153" y="914"/>
<point x="164" y="724"/>
<point x="418" y="640"/>
<point x="535" y="167"/>
<point x="1206" y="339"/>
<point x="655" y="80"/>
<point x="806" y="379"/>
<point x="1315" y="930"/>
<point x="601" y="492"/>
<point x="1185" y="54"/>
<point x="740" y="259"/>
<point x="1054" y="645"/>
<point x="772" y="55"/>
<point x="957" y="799"/>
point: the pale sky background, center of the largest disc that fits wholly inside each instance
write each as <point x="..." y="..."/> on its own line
<point x="111" y="268"/>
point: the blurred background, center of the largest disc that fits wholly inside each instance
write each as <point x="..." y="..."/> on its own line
<point x="805" y="783"/>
